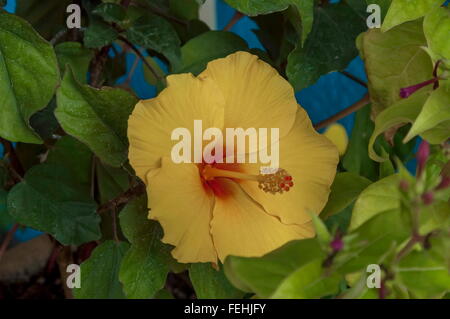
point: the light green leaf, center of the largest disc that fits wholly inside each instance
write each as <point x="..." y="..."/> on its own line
<point x="425" y="273"/>
<point x="99" y="274"/>
<point x="436" y="27"/>
<point x="402" y="11"/>
<point x="263" y="275"/>
<point x="402" y="112"/>
<point x="344" y="190"/>
<point x="50" y="200"/>
<point x="149" y="76"/>
<point x="155" y="33"/>
<point x="98" y="118"/>
<point x="99" y="34"/>
<point x="27" y="79"/>
<point x="308" y="282"/>
<point x="379" y="197"/>
<point x="435" y="111"/>
<point x="394" y="60"/>
<point x="145" y="266"/>
<point x="329" y="47"/>
<point x="210" y="283"/>
<point x="76" y="56"/>
<point x="219" y="44"/>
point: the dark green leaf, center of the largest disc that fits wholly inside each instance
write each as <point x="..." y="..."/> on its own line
<point x="219" y="44"/>
<point x="329" y="47"/>
<point x="50" y="200"/>
<point x="99" y="34"/>
<point x="44" y="121"/>
<point x="155" y="33"/>
<point x="27" y="79"/>
<point x="185" y="9"/>
<point x="145" y="266"/>
<point x="5" y="219"/>
<point x="98" y="118"/>
<point x="75" y="55"/>
<point x="210" y="283"/>
<point x="47" y="17"/>
<point x="356" y="159"/>
<point x="110" y="12"/>
<point x="100" y="273"/>
<point x="345" y="189"/>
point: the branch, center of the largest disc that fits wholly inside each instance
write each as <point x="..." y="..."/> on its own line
<point x="354" y="78"/>
<point x="123" y="198"/>
<point x="7" y="240"/>
<point x="353" y="108"/>
<point x="237" y="16"/>
<point x="97" y="66"/>
<point x="142" y="57"/>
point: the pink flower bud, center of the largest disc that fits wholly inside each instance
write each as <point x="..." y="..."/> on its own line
<point x="422" y="156"/>
<point x="428" y="198"/>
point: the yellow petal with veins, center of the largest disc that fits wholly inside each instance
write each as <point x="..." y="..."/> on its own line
<point x="311" y="160"/>
<point x="241" y="227"/>
<point x="183" y="206"/>
<point x="150" y="126"/>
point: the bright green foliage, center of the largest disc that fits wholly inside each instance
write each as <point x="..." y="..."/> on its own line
<point x="76" y="56"/>
<point x="27" y="80"/>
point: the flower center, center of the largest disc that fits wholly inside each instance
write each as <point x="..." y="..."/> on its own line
<point x="273" y="183"/>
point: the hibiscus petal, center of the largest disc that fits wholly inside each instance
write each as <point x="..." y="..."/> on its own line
<point x="240" y="226"/>
<point x="183" y="207"/>
<point x="256" y="95"/>
<point x="150" y="126"/>
<point x="311" y="160"/>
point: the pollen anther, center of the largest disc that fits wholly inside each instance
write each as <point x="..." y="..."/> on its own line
<point x="278" y="182"/>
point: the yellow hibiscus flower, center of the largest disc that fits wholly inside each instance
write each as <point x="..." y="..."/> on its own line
<point x="210" y="211"/>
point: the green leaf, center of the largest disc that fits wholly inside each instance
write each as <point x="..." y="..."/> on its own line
<point x="308" y="282"/>
<point x="99" y="34"/>
<point x="344" y="190"/>
<point x="402" y="11"/>
<point x="394" y="60"/>
<point x="379" y="197"/>
<point x="100" y="273"/>
<point x="155" y="33"/>
<point x="263" y="275"/>
<point x="27" y="80"/>
<point x="5" y="219"/>
<point x="110" y="12"/>
<point x="375" y="240"/>
<point x="425" y="273"/>
<point x="330" y="46"/>
<point x="435" y="111"/>
<point x="257" y="7"/>
<point x="185" y="9"/>
<point x="75" y="157"/>
<point x="219" y="44"/>
<point x="436" y="27"/>
<point x="210" y="283"/>
<point x="145" y="266"/>
<point x="50" y="200"/>
<point x="46" y="17"/>
<point x="98" y="118"/>
<point x="76" y="56"/>
<point x="356" y="160"/>
<point x="402" y="112"/>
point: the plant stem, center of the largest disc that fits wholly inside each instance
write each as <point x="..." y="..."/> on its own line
<point x="97" y="66"/>
<point x="123" y="198"/>
<point x="236" y="17"/>
<point x="354" y="78"/>
<point x="349" y="110"/>
<point x="142" y="57"/>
